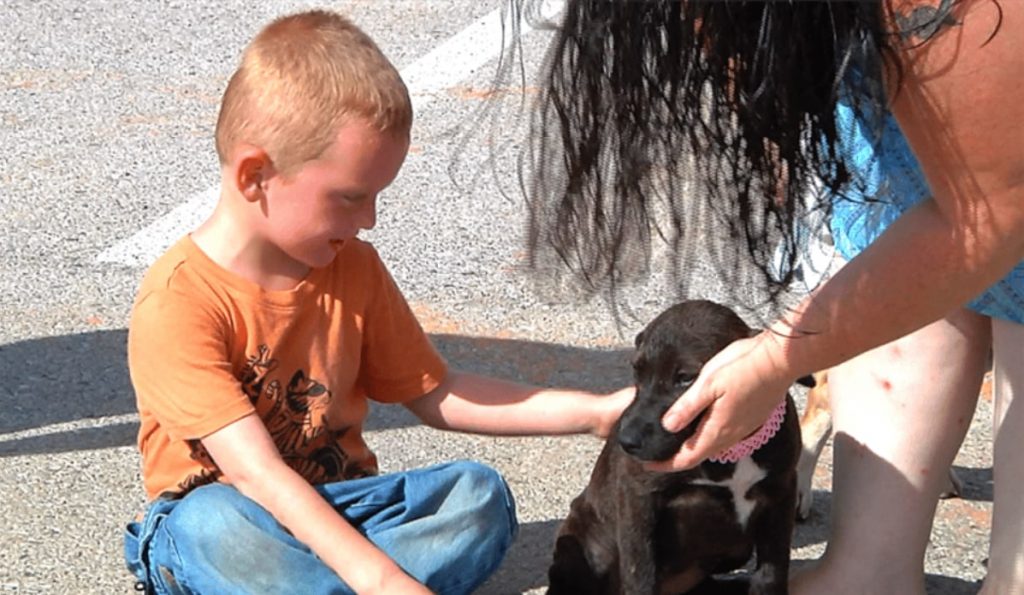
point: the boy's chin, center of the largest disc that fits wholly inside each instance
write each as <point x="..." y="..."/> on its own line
<point x="320" y="258"/>
<point x="324" y="260"/>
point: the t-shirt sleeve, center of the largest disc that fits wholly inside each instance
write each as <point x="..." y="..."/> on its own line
<point x="399" y="363"/>
<point x="179" y="365"/>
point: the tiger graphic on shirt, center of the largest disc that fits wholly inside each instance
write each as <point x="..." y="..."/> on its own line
<point x="295" y="414"/>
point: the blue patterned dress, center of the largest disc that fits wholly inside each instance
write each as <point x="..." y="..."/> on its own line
<point x="887" y="182"/>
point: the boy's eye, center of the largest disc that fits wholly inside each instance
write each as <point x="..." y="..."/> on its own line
<point x="347" y="197"/>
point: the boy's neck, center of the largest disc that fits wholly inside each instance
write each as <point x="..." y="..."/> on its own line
<point x="235" y="246"/>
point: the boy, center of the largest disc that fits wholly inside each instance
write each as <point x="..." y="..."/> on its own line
<point x="256" y="340"/>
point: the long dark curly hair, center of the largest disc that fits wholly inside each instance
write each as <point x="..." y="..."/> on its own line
<point x="653" y="110"/>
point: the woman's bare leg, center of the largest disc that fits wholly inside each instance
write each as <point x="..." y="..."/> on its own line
<point x="1006" y="551"/>
<point x="901" y="412"/>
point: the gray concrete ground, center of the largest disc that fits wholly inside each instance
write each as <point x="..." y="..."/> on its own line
<point x="106" y="115"/>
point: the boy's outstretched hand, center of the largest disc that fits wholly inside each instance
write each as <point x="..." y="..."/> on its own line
<point x="610" y="408"/>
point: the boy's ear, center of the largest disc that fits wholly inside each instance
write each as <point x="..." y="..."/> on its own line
<point x="252" y="170"/>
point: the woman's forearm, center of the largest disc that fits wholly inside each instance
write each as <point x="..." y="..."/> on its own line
<point x="924" y="266"/>
<point x="960" y="105"/>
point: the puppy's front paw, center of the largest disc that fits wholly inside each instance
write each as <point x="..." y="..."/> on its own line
<point x="769" y="580"/>
<point x="804" y="503"/>
<point x="805" y="483"/>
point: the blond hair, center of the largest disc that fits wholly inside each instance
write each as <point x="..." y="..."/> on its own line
<point x="300" y="79"/>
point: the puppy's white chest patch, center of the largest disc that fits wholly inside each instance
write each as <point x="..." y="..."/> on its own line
<point x="746" y="474"/>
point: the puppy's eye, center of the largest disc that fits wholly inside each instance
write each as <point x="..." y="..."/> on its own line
<point x="684" y="378"/>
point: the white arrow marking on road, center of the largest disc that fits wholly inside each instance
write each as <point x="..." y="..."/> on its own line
<point x="451" y="62"/>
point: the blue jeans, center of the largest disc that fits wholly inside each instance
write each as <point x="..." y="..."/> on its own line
<point x="449" y="526"/>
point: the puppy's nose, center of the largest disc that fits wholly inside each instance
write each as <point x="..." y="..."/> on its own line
<point x="631" y="441"/>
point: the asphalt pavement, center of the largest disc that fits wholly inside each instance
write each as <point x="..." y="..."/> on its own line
<point x="106" y="119"/>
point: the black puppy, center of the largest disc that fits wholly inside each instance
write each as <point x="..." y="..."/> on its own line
<point x="636" y="532"/>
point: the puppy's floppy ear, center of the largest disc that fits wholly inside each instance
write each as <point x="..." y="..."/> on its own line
<point x="636" y="352"/>
<point x="753" y="332"/>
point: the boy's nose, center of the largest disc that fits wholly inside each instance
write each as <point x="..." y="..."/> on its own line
<point x="367" y="216"/>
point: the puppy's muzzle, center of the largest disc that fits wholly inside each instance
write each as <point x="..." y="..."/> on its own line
<point x="641" y="434"/>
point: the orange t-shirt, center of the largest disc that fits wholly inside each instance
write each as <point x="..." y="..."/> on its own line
<point x="207" y="347"/>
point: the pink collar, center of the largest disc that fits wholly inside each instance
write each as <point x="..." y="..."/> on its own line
<point x="751" y="443"/>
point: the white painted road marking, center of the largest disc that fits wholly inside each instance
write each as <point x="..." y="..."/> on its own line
<point x="449" y="63"/>
<point x="67" y="427"/>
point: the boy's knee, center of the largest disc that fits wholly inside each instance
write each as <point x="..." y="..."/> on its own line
<point x="477" y="474"/>
<point x="487" y="491"/>
<point x="215" y="516"/>
<point x="217" y="537"/>
<point x="206" y="509"/>
<point x="479" y="479"/>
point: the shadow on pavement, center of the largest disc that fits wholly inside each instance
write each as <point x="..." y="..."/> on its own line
<point x="977" y="483"/>
<point x="525" y="567"/>
<point x="815" y="529"/>
<point x="75" y="378"/>
<point x="62" y="379"/>
<point x="934" y="584"/>
<point x="937" y="584"/>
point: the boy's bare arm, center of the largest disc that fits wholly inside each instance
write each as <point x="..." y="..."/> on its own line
<point x="484" y="405"/>
<point x="250" y="461"/>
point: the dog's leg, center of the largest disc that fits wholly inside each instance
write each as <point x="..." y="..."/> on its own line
<point x="773" y="536"/>
<point x="815" y="429"/>
<point x="635" y="524"/>
<point x="570" y="572"/>
<point x="955" y="486"/>
<point x="585" y="552"/>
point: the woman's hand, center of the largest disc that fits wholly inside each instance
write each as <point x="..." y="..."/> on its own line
<point x="610" y="408"/>
<point x="739" y="387"/>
